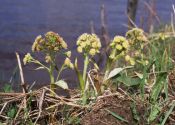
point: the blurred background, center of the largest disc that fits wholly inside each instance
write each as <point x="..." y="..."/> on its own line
<point x="22" y="20"/>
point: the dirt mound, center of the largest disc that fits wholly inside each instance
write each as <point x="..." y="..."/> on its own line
<point x="101" y="112"/>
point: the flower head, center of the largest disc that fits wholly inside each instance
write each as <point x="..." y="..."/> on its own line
<point x="89" y="44"/>
<point x="68" y="54"/>
<point x="127" y="58"/>
<point x="119" y="46"/>
<point x="51" y="41"/>
<point x="48" y="59"/>
<point x="136" y="35"/>
<point x="27" y="59"/>
<point x="68" y="63"/>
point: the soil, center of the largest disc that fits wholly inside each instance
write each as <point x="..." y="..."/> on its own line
<point x="117" y="104"/>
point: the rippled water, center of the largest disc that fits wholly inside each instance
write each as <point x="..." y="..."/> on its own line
<point x="22" y="20"/>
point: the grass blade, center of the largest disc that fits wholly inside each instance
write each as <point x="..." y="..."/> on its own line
<point x="168" y="113"/>
<point x="116" y="116"/>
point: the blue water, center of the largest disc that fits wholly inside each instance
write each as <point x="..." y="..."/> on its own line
<point x="22" y="20"/>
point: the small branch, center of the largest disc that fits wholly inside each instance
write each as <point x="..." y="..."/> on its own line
<point x="21" y="74"/>
<point x="96" y="93"/>
<point x="3" y="108"/>
<point x="40" y="105"/>
<point x="22" y="79"/>
<point x="105" y="34"/>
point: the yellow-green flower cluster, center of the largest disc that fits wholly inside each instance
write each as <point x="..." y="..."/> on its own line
<point x="68" y="63"/>
<point x="119" y="46"/>
<point x="88" y="44"/>
<point x="50" y="42"/>
<point x="136" y="35"/>
<point x="27" y="59"/>
<point x="137" y="39"/>
<point x="68" y="54"/>
<point x="130" y="60"/>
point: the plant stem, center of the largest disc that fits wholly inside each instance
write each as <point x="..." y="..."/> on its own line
<point x="52" y="80"/>
<point x="61" y="69"/>
<point x="108" y="68"/>
<point x="52" y="86"/>
<point x="86" y="62"/>
<point x="39" y="63"/>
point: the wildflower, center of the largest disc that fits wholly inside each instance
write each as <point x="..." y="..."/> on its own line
<point x="119" y="47"/>
<point x="146" y="62"/>
<point x="92" y="52"/>
<point x="48" y="59"/>
<point x="83" y="44"/>
<point x="162" y="36"/>
<point x="35" y="46"/>
<point x="63" y="44"/>
<point x="49" y="42"/>
<point x="127" y="58"/>
<point x="68" y="54"/>
<point x="89" y="44"/>
<point x="68" y="63"/>
<point x="136" y="35"/>
<point x="132" y="62"/>
<point x="125" y="44"/>
<point x="79" y="49"/>
<point x="27" y="59"/>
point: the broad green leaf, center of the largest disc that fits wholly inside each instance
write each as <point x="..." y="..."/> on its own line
<point x="155" y="109"/>
<point x="62" y="84"/>
<point x="114" y="72"/>
<point x="128" y="81"/>
<point x="157" y="88"/>
<point x="139" y="75"/>
<point x="116" y="115"/>
<point x="134" y="111"/>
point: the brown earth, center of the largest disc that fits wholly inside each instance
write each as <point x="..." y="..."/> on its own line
<point x="120" y="105"/>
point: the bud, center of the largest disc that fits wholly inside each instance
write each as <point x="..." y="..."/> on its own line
<point x="92" y="52"/>
<point x="127" y="57"/>
<point x="27" y="59"/>
<point x="68" y="54"/>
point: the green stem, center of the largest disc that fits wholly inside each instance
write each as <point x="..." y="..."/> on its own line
<point x="61" y="69"/>
<point x="52" y="86"/>
<point x="108" y="68"/>
<point x="51" y="73"/>
<point x="39" y="63"/>
<point x="86" y="62"/>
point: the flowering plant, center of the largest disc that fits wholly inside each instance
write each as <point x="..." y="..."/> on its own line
<point x="88" y="45"/>
<point x="50" y="44"/>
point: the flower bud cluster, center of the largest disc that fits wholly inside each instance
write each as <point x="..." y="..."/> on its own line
<point x="27" y="59"/>
<point x="68" y="63"/>
<point x="88" y="44"/>
<point x="135" y="36"/>
<point x="119" y="46"/>
<point x="137" y="39"/>
<point x="50" y="42"/>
